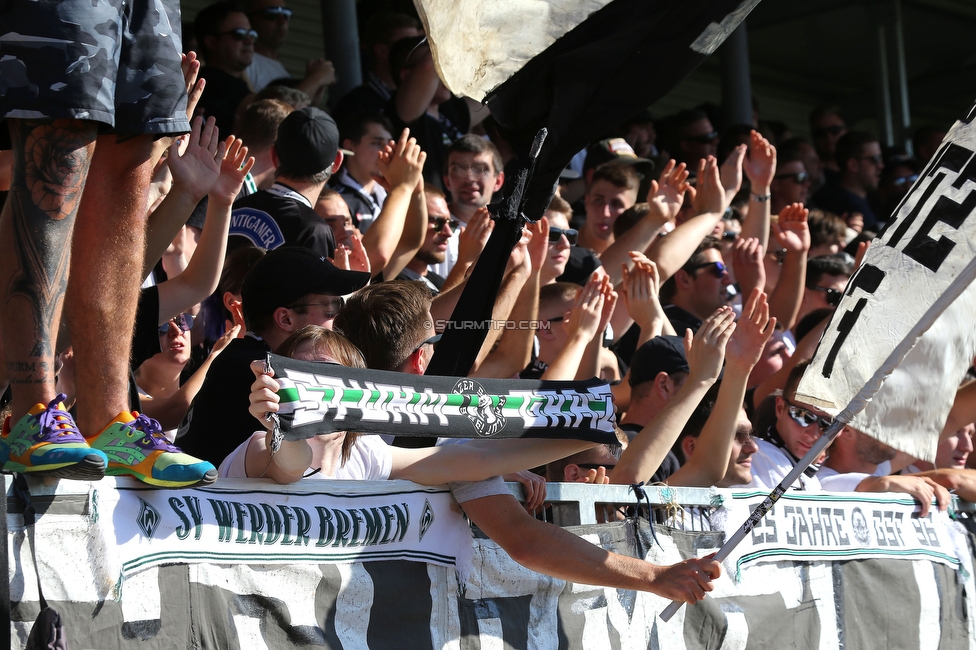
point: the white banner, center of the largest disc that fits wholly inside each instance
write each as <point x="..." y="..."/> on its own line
<point x="497" y="38"/>
<point x="929" y="241"/>
<point x="254" y="522"/>
<point x="823" y="526"/>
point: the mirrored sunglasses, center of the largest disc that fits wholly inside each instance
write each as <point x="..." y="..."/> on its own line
<point x="271" y="13"/>
<point x="240" y="34"/>
<point x="718" y="269"/>
<point x="183" y="321"/>
<point x="805" y="418"/>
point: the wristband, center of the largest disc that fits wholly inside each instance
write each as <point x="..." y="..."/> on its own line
<point x="761" y="198"/>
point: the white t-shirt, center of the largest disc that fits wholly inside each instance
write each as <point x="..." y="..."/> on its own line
<point x="263" y="70"/>
<point x="770" y="465"/>
<point x="370" y="459"/>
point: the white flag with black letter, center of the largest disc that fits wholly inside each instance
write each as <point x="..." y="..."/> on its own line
<point x="927" y="244"/>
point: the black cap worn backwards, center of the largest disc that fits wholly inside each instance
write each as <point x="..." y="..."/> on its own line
<point x="308" y="140"/>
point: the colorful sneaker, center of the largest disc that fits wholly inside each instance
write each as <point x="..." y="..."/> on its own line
<point x="135" y="446"/>
<point x="46" y="442"/>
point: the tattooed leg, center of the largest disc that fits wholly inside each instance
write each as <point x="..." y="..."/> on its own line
<point x="51" y="161"/>
<point x="106" y="271"/>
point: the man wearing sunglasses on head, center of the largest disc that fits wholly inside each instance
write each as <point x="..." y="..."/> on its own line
<point x="270" y="19"/>
<point x="859" y="158"/>
<point x="226" y="41"/>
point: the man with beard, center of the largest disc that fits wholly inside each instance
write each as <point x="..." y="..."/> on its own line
<point x="441" y="226"/>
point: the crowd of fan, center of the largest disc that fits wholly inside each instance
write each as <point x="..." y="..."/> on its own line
<point x="692" y="265"/>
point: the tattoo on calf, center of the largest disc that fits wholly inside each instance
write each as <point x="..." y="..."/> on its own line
<point x="51" y="165"/>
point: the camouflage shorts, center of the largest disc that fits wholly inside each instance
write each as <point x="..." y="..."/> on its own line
<point x="111" y="61"/>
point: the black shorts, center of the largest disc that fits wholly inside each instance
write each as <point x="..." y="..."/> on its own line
<point x="116" y="62"/>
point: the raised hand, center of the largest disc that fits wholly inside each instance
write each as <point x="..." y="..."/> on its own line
<point x="474" y="237"/>
<point x="731" y="172"/>
<point x="584" y="319"/>
<point x="264" y="393"/>
<point x="751" y="334"/>
<point x="539" y="243"/>
<point x="706" y="350"/>
<point x="196" y="169"/>
<point x="747" y="262"/>
<point x="760" y="165"/>
<point x="358" y="259"/>
<point x="234" y="168"/>
<point x="791" y="229"/>
<point x="405" y="164"/>
<point x="710" y="194"/>
<point x="190" y="65"/>
<point x="665" y="198"/>
<point x="641" y="287"/>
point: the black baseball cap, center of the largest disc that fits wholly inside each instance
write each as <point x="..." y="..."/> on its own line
<point x="307" y="142"/>
<point x="660" y="354"/>
<point x="287" y="274"/>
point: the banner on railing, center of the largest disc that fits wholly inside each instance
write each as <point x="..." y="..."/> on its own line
<point x="85" y="531"/>
<point x="262" y="524"/>
<point x="811" y="526"/>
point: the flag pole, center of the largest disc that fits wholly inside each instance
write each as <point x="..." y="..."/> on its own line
<point x="857" y="404"/>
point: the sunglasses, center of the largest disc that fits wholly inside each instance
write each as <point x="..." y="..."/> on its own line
<point x="572" y="235"/>
<point x="836" y="129"/>
<point x="431" y="341"/>
<point x="704" y="138"/>
<point x="330" y="308"/>
<point x="240" y="34"/>
<point x="805" y="418"/>
<point x="440" y="222"/>
<point x="184" y="322"/>
<point x="271" y="13"/>
<point x="905" y="180"/>
<point x="779" y="255"/>
<point x="718" y="269"/>
<point x="595" y="466"/>
<point x="730" y="235"/>
<point x="799" y="177"/>
<point x="833" y="295"/>
<point x="876" y="159"/>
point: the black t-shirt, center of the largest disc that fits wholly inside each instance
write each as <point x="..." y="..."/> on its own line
<point x="279" y="216"/>
<point x="682" y="320"/>
<point x="145" y="340"/>
<point x="218" y="420"/>
<point x="434" y="135"/>
<point x="221" y="97"/>
<point x="669" y="465"/>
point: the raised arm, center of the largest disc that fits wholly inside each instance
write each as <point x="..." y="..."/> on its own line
<point x="742" y="353"/>
<point x="759" y="167"/>
<point x="471" y="242"/>
<point x="195" y="170"/>
<point x="706" y="353"/>
<point x="401" y="165"/>
<point x="582" y="322"/>
<point x="202" y="273"/>
<point x="710" y="202"/>
<point x="665" y="201"/>
<point x="514" y="350"/>
<point x="793" y="235"/>
<point x="416" y="92"/>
